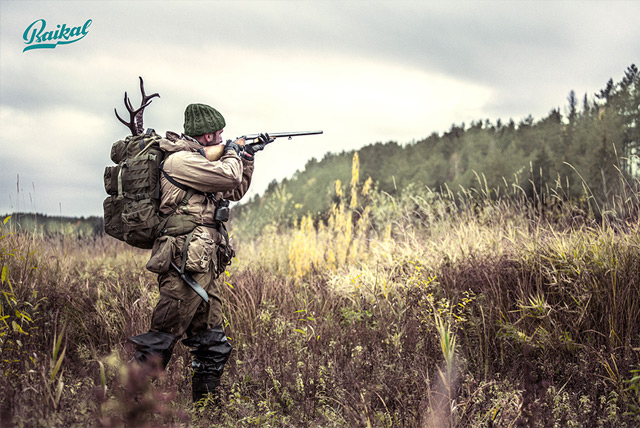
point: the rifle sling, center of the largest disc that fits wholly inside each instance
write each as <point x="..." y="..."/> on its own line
<point x="192" y="283"/>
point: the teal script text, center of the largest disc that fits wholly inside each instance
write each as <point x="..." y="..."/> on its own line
<point x="36" y="35"/>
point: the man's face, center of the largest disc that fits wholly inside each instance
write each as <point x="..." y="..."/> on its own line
<point x="218" y="137"/>
<point x="214" y="139"/>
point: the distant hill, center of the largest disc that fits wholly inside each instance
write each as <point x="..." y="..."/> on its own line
<point x="591" y="147"/>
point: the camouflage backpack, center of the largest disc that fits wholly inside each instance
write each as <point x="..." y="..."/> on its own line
<point x="131" y="211"/>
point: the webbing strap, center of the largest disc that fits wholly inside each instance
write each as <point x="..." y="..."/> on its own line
<point x="185" y="247"/>
<point x="152" y="139"/>
<point x="173" y="180"/>
<point x="120" y="190"/>
<point x="192" y="283"/>
<point x="144" y="148"/>
<point x="184" y="275"/>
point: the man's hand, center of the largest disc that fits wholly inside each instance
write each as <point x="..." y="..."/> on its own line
<point x="251" y="149"/>
<point x="264" y="139"/>
<point x="232" y="145"/>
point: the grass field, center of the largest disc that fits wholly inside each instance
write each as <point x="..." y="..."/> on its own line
<point x="421" y="310"/>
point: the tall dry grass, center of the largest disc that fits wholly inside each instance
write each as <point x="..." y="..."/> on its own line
<point x="420" y="309"/>
<point x="537" y="290"/>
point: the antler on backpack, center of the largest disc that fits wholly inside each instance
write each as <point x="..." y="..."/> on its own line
<point x="135" y="116"/>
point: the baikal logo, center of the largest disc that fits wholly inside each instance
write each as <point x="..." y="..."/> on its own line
<point x="36" y="37"/>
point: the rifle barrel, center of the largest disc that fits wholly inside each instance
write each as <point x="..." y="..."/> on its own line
<point x="282" y="134"/>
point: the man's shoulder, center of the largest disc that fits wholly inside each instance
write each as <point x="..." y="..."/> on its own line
<point x="184" y="158"/>
<point x="174" y="143"/>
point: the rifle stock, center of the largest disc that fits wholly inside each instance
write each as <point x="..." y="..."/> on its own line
<point x="214" y="153"/>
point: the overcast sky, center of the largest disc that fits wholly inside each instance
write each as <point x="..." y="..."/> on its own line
<point x="361" y="71"/>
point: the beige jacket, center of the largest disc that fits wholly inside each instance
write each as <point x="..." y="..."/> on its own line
<point x="227" y="178"/>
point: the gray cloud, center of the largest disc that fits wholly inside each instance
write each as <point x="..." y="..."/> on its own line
<point x="363" y="71"/>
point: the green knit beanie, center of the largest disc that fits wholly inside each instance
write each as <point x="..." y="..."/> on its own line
<point x="200" y="119"/>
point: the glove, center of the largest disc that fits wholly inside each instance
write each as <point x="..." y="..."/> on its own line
<point x="265" y="139"/>
<point x="251" y="149"/>
<point x="230" y="145"/>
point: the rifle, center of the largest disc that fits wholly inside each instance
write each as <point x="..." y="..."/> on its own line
<point x="217" y="153"/>
<point x="282" y="134"/>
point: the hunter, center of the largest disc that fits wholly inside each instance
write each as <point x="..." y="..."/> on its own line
<point x="200" y="175"/>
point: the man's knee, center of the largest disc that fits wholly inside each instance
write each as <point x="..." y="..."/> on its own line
<point x="210" y="349"/>
<point x="154" y="344"/>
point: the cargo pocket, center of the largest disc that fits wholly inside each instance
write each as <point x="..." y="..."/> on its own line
<point x="113" y="225"/>
<point x="111" y="180"/>
<point x="119" y="150"/>
<point x="161" y="254"/>
<point x="140" y="219"/>
<point x="199" y="251"/>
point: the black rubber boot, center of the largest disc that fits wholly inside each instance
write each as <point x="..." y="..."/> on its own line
<point x="154" y="345"/>
<point x="204" y="384"/>
<point x="211" y="352"/>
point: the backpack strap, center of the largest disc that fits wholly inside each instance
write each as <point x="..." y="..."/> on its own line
<point x="190" y="192"/>
<point x="183" y="223"/>
<point x="173" y="180"/>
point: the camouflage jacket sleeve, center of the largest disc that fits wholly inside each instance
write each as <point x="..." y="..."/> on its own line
<point x="226" y="175"/>
<point x="238" y="192"/>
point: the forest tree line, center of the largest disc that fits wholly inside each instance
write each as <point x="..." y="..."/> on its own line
<point x="42" y="224"/>
<point x="591" y="146"/>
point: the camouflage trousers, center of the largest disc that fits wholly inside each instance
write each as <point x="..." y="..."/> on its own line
<point x="181" y="311"/>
